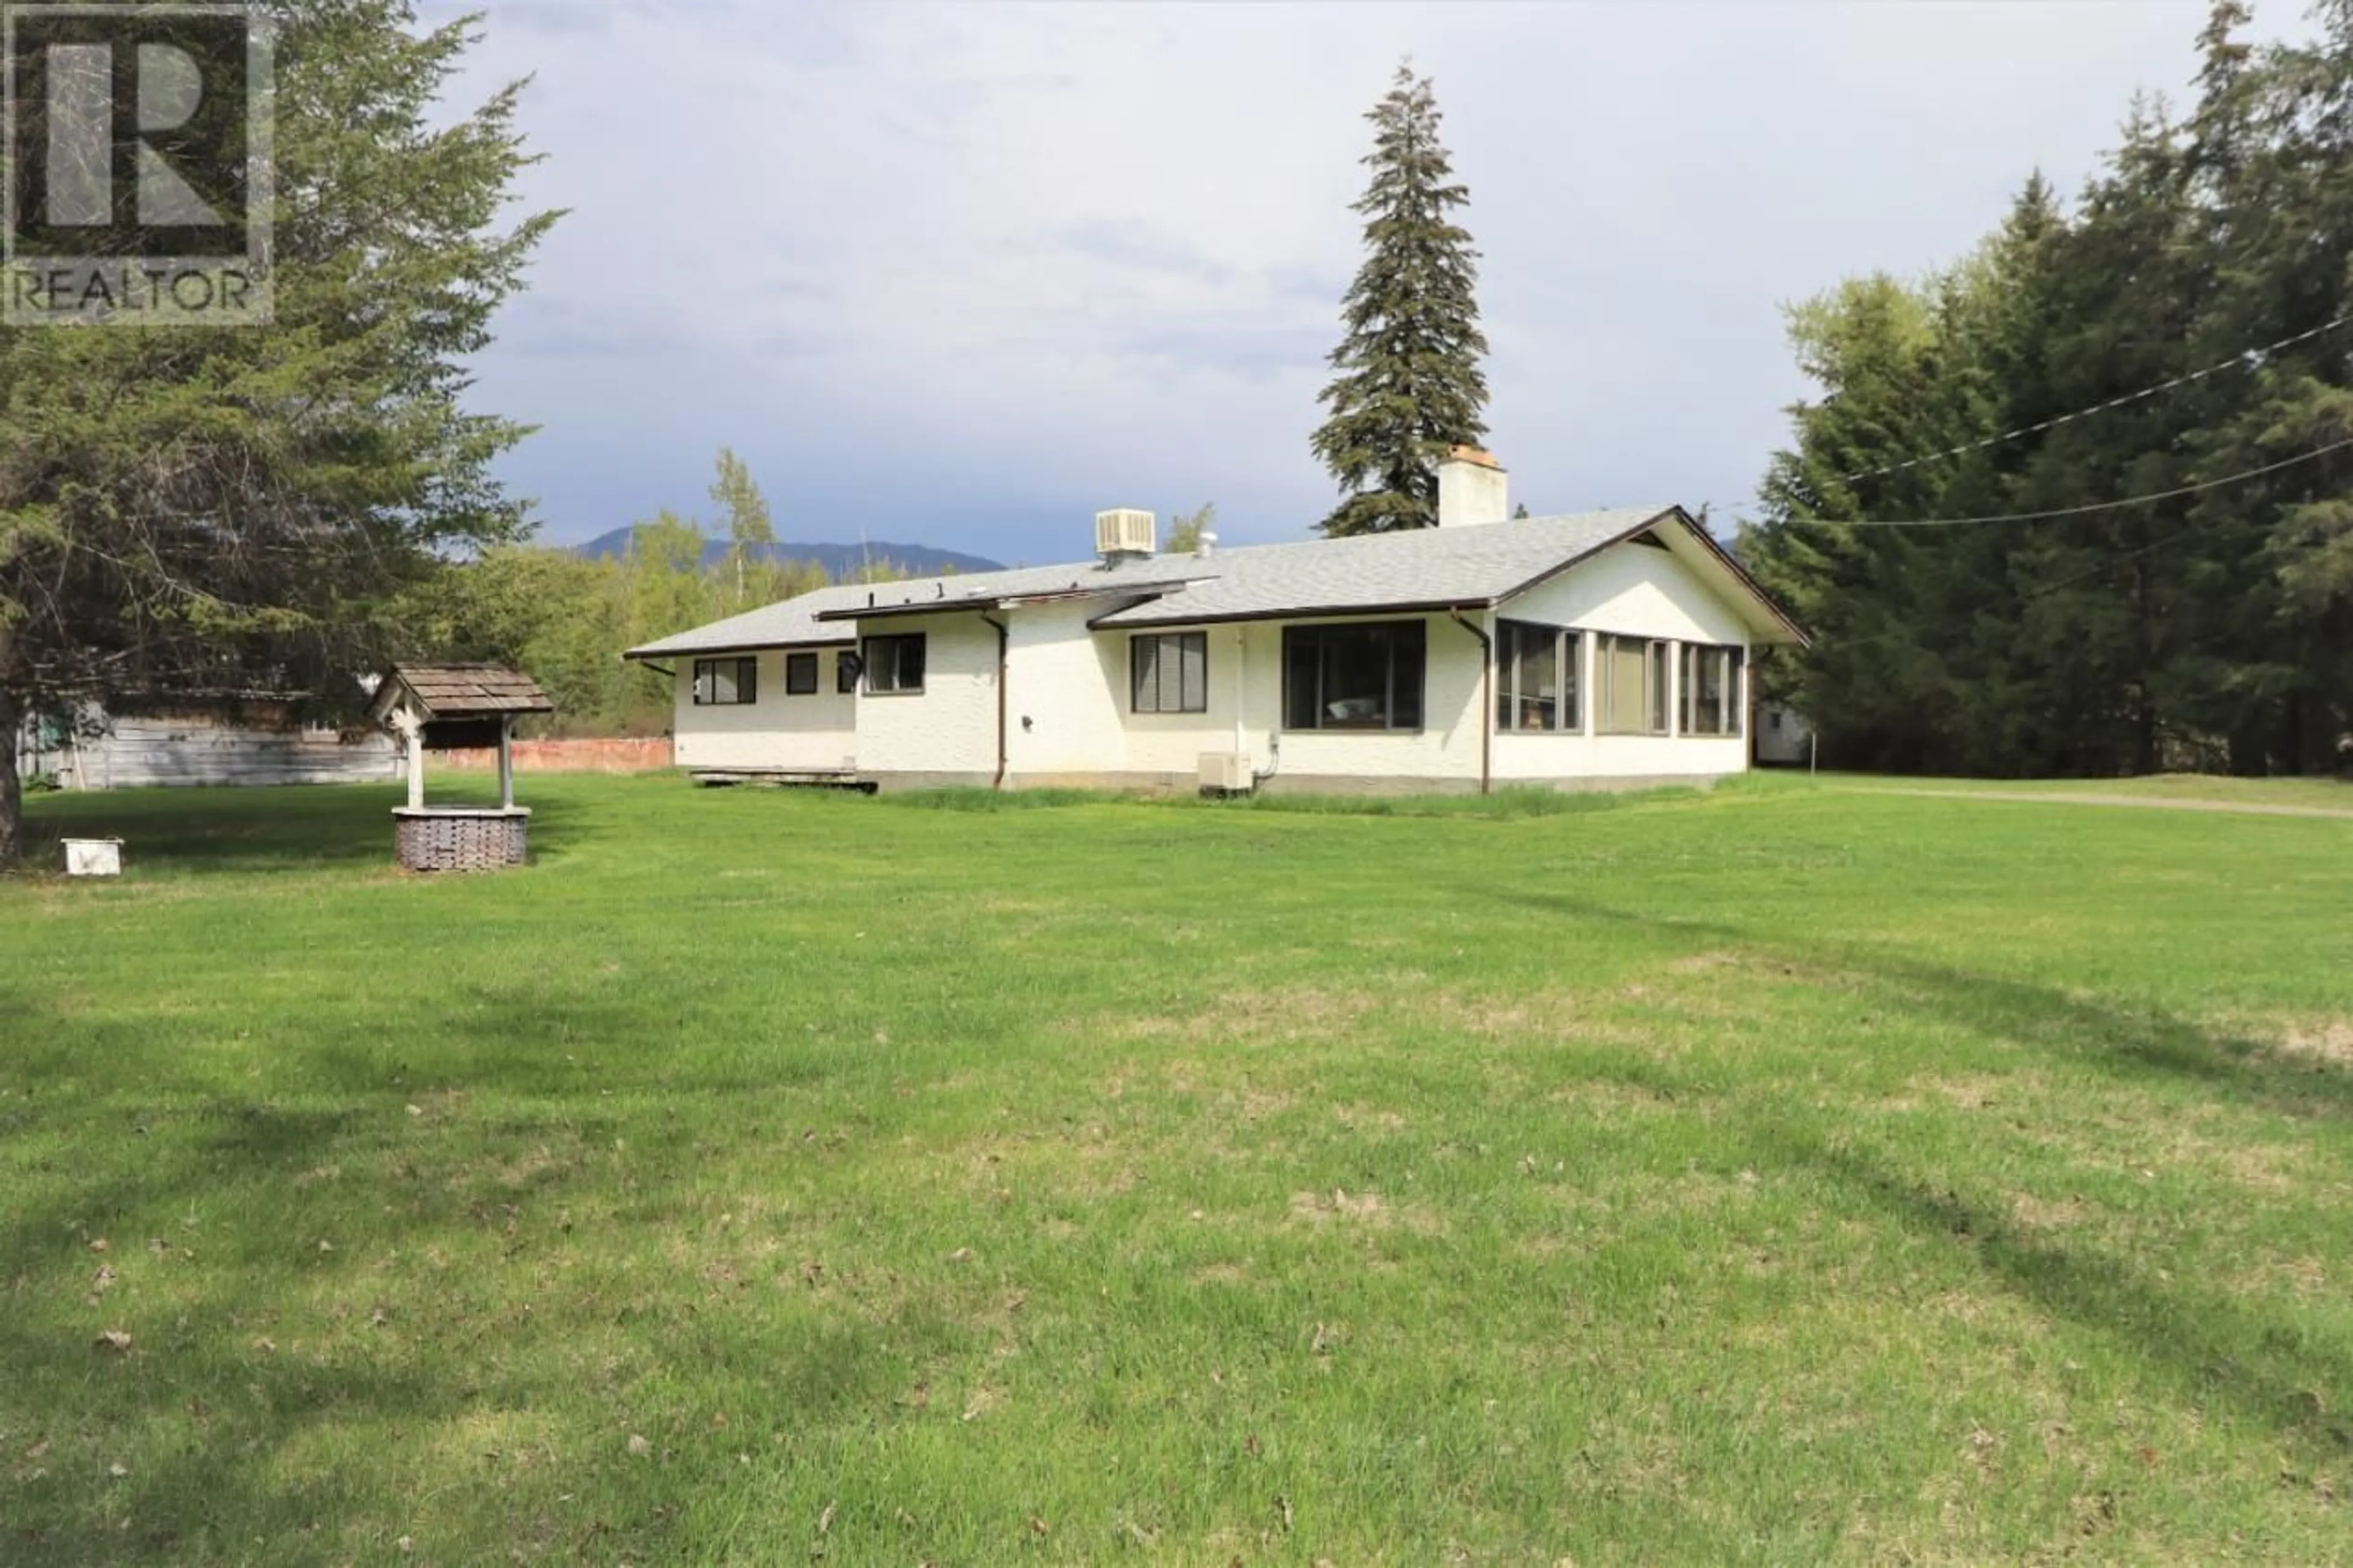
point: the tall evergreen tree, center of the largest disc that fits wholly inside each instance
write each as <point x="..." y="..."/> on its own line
<point x="192" y="507"/>
<point x="1409" y="384"/>
<point x="2207" y="620"/>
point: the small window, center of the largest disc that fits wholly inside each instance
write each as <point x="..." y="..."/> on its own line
<point x="845" y="672"/>
<point x="1629" y="686"/>
<point x="1366" y="677"/>
<point x="1540" y="675"/>
<point x="1168" y="672"/>
<point x="726" y="682"/>
<point x="800" y="675"/>
<point x="894" y="663"/>
<point x="1711" y="701"/>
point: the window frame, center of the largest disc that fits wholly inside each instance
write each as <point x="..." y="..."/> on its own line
<point x="1160" y="645"/>
<point x="1656" y="704"/>
<point x="870" y="665"/>
<point x="1568" y="664"/>
<point x="1397" y="632"/>
<point x="704" y="681"/>
<point x="1732" y="711"/>
<point x="847" y="669"/>
<point x="797" y="667"/>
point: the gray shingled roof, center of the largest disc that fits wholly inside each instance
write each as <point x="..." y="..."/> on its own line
<point x="793" y="623"/>
<point x="1423" y="566"/>
<point x="1431" y="567"/>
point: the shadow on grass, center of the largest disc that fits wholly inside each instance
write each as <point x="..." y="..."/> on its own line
<point x="2203" y="1341"/>
<point x="286" y="827"/>
<point x="2126" y="1041"/>
<point x="2206" y="1344"/>
<point x="254" y="1353"/>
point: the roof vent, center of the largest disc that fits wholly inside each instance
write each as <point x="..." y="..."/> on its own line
<point x="1123" y="533"/>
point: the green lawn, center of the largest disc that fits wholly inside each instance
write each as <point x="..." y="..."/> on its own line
<point x="2328" y="795"/>
<point x="1778" y="1175"/>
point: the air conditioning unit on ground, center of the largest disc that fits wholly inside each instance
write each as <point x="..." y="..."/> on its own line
<point x="1226" y="773"/>
<point x="1123" y="531"/>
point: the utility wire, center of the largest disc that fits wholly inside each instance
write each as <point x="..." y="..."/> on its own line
<point x="2154" y="496"/>
<point x="2248" y="358"/>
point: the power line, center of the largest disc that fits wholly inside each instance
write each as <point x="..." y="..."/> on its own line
<point x="2247" y="357"/>
<point x="2153" y="497"/>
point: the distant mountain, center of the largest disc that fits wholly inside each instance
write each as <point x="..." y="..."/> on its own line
<point x="840" y="561"/>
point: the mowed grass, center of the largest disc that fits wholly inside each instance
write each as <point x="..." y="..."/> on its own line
<point x="2301" y="794"/>
<point x="1772" y="1174"/>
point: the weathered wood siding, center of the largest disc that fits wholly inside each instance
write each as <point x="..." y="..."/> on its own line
<point x="134" y="754"/>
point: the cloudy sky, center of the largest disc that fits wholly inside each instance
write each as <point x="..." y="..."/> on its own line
<point x="963" y="274"/>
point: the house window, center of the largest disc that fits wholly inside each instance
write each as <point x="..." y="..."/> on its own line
<point x="1711" y="690"/>
<point x="726" y="682"/>
<point x="1539" y="677"/>
<point x="845" y="672"/>
<point x="1630" y="685"/>
<point x="1353" y="677"/>
<point x="800" y="675"/>
<point x="1168" y="672"/>
<point x="894" y="663"/>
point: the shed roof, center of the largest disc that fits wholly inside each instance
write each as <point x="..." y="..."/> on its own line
<point x="460" y="691"/>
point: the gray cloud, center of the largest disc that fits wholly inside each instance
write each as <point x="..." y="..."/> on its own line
<point x="947" y="268"/>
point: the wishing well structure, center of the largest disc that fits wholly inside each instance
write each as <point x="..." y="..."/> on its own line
<point x="455" y="706"/>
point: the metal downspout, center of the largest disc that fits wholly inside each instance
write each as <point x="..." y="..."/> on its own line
<point x="1486" y="702"/>
<point x="1004" y="643"/>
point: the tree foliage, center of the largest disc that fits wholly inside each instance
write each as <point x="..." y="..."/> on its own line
<point x="198" y="508"/>
<point x="2213" y="628"/>
<point x="566" y="617"/>
<point x="1185" y="530"/>
<point x="1409" y="384"/>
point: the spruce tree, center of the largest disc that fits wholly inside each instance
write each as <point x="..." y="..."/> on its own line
<point x="207" y="509"/>
<point x="1409" y="384"/>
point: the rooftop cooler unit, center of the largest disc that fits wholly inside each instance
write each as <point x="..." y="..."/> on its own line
<point x="1123" y="531"/>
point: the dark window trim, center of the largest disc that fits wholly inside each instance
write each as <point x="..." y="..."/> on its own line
<point x="747" y="681"/>
<point x="1320" y="628"/>
<point x="1160" y="651"/>
<point x="846" y="670"/>
<point x="798" y="666"/>
<point x="869" y="663"/>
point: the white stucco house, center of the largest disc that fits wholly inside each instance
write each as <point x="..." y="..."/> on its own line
<point x="1604" y="647"/>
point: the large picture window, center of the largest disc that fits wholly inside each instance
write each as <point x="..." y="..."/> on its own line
<point x="1711" y="690"/>
<point x="1353" y="677"/>
<point x="800" y="675"/>
<point x="895" y="663"/>
<point x="1539" y="677"/>
<point x="726" y="682"/>
<point x="1630" y="685"/>
<point x="1168" y="672"/>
